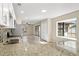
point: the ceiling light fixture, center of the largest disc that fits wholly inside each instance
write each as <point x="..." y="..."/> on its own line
<point x="22" y="12"/>
<point x="43" y="11"/>
<point x="19" y="4"/>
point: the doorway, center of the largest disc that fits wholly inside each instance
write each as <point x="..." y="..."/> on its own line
<point x="37" y="30"/>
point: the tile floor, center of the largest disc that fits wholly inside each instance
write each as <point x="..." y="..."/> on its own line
<point x="30" y="46"/>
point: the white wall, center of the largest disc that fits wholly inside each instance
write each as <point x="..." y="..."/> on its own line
<point x="18" y="30"/>
<point x="44" y="30"/>
<point x="45" y="26"/>
<point x="65" y="17"/>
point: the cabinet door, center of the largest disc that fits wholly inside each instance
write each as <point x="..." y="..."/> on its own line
<point x="11" y="18"/>
<point x="5" y="13"/>
<point x="0" y="13"/>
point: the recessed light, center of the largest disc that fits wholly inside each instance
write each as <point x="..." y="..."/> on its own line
<point x="43" y="10"/>
<point x="22" y="12"/>
<point x="19" y="4"/>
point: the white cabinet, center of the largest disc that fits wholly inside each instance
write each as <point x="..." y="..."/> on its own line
<point x="7" y="15"/>
<point x="1" y="22"/>
<point x="11" y="16"/>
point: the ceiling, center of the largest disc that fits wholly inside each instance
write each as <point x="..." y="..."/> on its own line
<point x="32" y="11"/>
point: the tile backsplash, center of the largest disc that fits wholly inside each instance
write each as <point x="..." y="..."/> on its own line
<point x="3" y="34"/>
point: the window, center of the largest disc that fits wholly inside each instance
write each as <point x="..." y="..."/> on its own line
<point x="37" y="30"/>
<point x="66" y="28"/>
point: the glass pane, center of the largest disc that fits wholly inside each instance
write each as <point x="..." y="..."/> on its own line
<point x="60" y="29"/>
<point x="72" y="29"/>
<point x="67" y="28"/>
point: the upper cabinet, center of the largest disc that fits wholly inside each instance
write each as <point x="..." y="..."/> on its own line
<point x="7" y="15"/>
<point x="11" y="16"/>
<point x="0" y="14"/>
